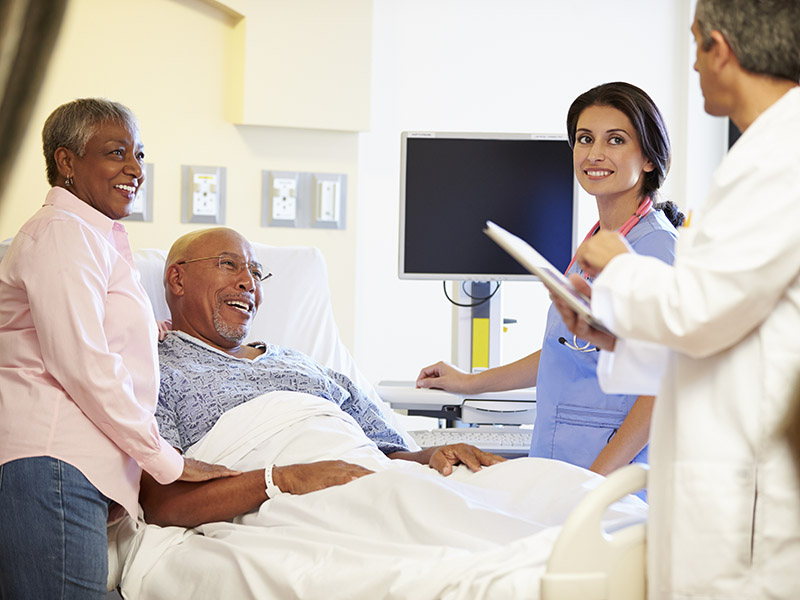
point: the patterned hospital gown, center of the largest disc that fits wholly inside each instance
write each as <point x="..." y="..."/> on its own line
<point x="200" y="383"/>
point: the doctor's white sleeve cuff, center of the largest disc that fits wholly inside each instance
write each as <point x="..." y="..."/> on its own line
<point x="634" y="367"/>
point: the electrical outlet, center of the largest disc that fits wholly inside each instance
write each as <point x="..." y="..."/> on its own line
<point x="203" y="199"/>
<point x="284" y="198"/>
<point x="205" y="195"/>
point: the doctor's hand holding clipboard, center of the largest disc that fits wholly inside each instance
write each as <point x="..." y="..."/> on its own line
<point x="641" y="367"/>
<point x="571" y="296"/>
<point x="592" y="256"/>
<point x="577" y="324"/>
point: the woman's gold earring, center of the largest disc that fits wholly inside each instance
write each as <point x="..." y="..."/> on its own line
<point x="68" y="181"/>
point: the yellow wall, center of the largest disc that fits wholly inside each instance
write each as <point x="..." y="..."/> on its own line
<point x="306" y="63"/>
<point x="178" y="65"/>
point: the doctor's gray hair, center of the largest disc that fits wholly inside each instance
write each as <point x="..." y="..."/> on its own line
<point x="71" y="125"/>
<point x="764" y="35"/>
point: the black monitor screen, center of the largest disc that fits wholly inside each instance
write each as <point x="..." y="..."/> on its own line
<point x="451" y="184"/>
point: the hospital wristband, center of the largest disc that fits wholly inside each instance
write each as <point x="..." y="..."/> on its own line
<point x="273" y="491"/>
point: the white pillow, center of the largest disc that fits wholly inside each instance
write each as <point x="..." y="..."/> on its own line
<point x="4" y="247"/>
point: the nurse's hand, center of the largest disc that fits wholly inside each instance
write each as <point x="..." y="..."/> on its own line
<point x="197" y="470"/>
<point x="443" y="376"/>
<point x="595" y="253"/>
<point x="444" y="458"/>
<point x="576" y="324"/>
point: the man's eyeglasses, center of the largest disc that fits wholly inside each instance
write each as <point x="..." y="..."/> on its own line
<point x="233" y="265"/>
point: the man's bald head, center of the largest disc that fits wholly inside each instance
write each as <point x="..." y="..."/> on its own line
<point x="191" y="245"/>
<point x="211" y="286"/>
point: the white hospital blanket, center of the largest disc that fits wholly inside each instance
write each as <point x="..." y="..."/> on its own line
<point x="402" y="532"/>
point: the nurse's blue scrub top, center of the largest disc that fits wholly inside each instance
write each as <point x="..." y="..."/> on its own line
<point x="574" y="418"/>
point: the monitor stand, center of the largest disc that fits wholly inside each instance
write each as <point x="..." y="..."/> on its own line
<point x="476" y="330"/>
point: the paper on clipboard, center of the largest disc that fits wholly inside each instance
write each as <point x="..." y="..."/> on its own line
<point x="541" y="267"/>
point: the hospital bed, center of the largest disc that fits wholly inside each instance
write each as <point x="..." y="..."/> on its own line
<point x="591" y="557"/>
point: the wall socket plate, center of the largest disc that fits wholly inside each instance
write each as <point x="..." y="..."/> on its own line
<point x="142" y="209"/>
<point x="203" y="194"/>
<point x="297" y="199"/>
<point x="329" y="193"/>
<point x="280" y="199"/>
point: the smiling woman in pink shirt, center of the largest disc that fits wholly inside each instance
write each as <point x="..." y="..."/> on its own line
<point x="78" y="364"/>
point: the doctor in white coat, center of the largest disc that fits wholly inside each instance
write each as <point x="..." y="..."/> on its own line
<point x="725" y="499"/>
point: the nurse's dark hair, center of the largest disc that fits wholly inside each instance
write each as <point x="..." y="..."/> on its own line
<point x="764" y="35"/>
<point x="71" y="126"/>
<point x="651" y="132"/>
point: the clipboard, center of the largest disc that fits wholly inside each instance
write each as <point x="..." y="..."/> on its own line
<point x="546" y="272"/>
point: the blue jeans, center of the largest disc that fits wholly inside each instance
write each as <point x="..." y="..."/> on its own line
<point x="53" y="540"/>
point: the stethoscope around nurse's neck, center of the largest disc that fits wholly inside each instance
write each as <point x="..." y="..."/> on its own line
<point x="641" y="212"/>
<point x="587" y="347"/>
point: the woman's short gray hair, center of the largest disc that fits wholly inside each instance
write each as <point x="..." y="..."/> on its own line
<point x="764" y="35"/>
<point x="71" y="126"/>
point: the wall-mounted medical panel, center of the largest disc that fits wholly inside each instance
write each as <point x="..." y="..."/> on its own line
<point x="328" y="202"/>
<point x="297" y="199"/>
<point x="203" y="194"/>
<point x="282" y="199"/>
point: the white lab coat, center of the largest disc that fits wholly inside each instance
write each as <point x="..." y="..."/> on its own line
<point x="725" y="500"/>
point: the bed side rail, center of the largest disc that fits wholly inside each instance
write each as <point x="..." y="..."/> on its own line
<point x="589" y="563"/>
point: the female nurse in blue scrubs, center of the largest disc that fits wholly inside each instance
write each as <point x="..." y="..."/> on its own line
<point x="621" y="155"/>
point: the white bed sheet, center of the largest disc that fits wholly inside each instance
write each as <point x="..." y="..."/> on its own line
<point x="403" y="532"/>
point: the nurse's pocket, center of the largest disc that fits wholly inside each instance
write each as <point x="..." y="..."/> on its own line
<point x="581" y="433"/>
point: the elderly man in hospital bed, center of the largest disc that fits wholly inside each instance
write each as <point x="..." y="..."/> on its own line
<point x="373" y="527"/>
<point x="214" y="288"/>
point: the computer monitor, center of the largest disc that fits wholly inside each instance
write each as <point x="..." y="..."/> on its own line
<point x="452" y="183"/>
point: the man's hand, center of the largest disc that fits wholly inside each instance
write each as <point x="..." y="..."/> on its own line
<point x="576" y="324"/>
<point x="595" y="253"/>
<point x="188" y="504"/>
<point x="306" y="478"/>
<point x="443" y="376"/>
<point x="445" y="457"/>
<point x="197" y="470"/>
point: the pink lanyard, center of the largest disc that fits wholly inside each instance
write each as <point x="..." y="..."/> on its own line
<point x="644" y="208"/>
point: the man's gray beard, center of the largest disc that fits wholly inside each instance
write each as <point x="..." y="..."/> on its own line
<point x="229" y="332"/>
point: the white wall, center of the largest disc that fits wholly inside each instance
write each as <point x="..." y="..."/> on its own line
<point x="510" y="66"/>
